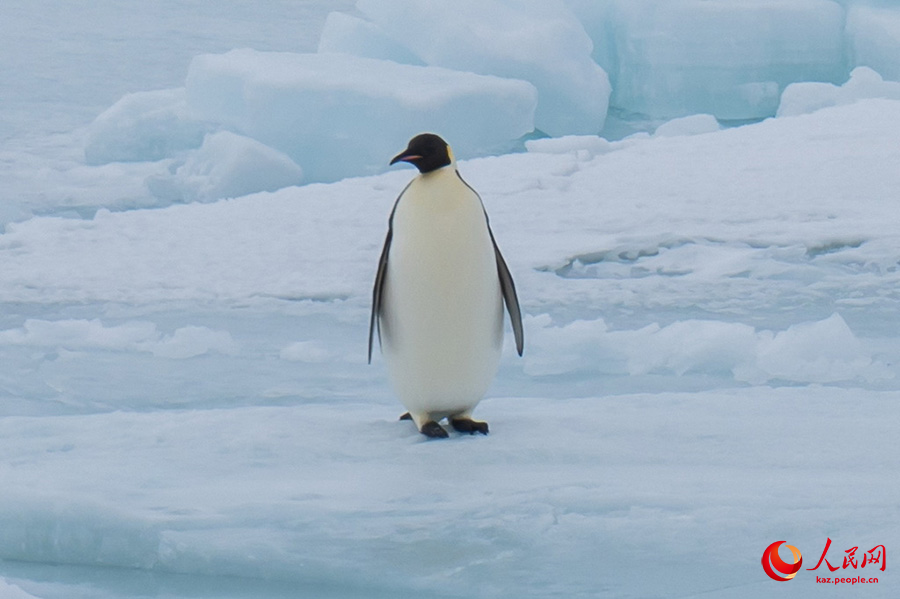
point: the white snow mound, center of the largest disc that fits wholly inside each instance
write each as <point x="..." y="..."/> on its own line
<point x="137" y="336"/>
<point x="864" y="83"/>
<point x="825" y="351"/>
<point x="227" y="165"/>
<point x="143" y="126"/>
<point x="696" y="124"/>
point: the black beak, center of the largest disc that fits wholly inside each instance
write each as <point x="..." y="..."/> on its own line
<point x="405" y="156"/>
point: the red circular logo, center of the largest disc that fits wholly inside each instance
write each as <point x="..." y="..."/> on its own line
<point x="778" y="569"/>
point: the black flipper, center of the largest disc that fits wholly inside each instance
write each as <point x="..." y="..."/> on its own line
<point x="507" y="287"/>
<point x="380" y="275"/>
<point x="377" y="291"/>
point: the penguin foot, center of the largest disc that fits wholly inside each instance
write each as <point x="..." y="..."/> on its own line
<point x="406" y="416"/>
<point x="433" y="430"/>
<point x="467" y="425"/>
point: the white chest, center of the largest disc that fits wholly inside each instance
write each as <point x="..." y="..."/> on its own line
<point x="440" y="236"/>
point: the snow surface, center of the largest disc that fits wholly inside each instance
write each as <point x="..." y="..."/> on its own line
<point x="711" y="358"/>
<point x="711" y="364"/>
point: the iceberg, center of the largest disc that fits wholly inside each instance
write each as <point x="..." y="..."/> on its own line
<point x="874" y="38"/>
<point x="729" y="59"/>
<point x="347" y="34"/>
<point x="338" y="115"/>
<point x="536" y="40"/>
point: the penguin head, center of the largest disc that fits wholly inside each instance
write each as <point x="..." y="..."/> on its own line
<point x="427" y="152"/>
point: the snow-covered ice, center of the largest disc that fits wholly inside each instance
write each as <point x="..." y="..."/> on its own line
<point x="290" y="102"/>
<point x="607" y="487"/>
<point x="688" y="125"/>
<point x="711" y="359"/>
<point x="186" y="389"/>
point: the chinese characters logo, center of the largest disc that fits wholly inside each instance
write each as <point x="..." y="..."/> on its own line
<point x="778" y="569"/>
<point x="875" y="555"/>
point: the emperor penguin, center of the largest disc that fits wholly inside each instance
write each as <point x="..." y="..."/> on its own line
<point x="439" y="293"/>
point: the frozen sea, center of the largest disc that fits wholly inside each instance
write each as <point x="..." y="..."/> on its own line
<point x="711" y="362"/>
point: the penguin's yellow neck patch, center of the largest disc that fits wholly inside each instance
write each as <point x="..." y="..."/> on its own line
<point x="450" y="154"/>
